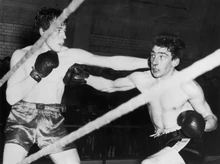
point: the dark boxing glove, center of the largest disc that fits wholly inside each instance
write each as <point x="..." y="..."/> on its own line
<point x="192" y="123"/>
<point x="107" y="73"/>
<point x="75" y="76"/>
<point x="44" y="65"/>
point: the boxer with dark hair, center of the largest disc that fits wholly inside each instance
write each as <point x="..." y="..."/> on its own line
<point x="179" y="113"/>
<point x="35" y="91"/>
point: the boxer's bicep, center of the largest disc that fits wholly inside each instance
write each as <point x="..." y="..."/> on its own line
<point x="197" y="98"/>
<point x="20" y="73"/>
<point x="200" y="105"/>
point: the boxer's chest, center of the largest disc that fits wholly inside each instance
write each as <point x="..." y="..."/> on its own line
<point x="172" y="99"/>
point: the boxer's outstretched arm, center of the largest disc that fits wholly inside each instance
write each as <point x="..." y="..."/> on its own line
<point x="115" y="62"/>
<point x="106" y="85"/>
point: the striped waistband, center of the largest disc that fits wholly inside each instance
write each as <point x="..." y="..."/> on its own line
<point x="160" y="132"/>
<point x="51" y="107"/>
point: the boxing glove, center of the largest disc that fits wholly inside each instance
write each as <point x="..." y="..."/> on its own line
<point x="107" y="73"/>
<point x="75" y="76"/>
<point x="44" y="65"/>
<point x="192" y="123"/>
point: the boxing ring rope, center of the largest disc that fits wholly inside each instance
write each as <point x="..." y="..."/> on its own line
<point x="198" y="68"/>
<point x="64" y="15"/>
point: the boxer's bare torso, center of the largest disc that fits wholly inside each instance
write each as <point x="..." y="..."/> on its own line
<point x="50" y="89"/>
<point x="166" y="98"/>
<point x="166" y="101"/>
<point x="164" y="107"/>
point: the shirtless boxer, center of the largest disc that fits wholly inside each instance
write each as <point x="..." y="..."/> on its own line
<point x="180" y="114"/>
<point x="35" y="91"/>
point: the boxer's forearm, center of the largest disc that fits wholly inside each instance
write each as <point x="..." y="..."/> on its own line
<point x="106" y="85"/>
<point x="127" y="63"/>
<point x="100" y="83"/>
<point x="211" y="123"/>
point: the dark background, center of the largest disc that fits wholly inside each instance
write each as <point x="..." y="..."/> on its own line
<point x="119" y="27"/>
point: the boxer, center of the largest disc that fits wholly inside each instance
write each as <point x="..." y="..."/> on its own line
<point x="179" y="113"/>
<point x="36" y="88"/>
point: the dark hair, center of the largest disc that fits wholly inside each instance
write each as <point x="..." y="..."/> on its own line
<point x="44" y="18"/>
<point x="172" y="42"/>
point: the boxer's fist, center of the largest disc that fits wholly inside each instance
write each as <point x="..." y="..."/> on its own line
<point x="44" y="65"/>
<point x="192" y="123"/>
<point x="75" y="76"/>
<point x="46" y="62"/>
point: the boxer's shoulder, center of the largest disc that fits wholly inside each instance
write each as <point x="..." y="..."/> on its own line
<point x="65" y="51"/>
<point x="21" y="52"/>
<point x="192" y="88"/>
<point x="18" y="54"/>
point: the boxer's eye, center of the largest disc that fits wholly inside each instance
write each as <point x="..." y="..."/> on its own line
<point x="162" y="57"/>
<point x="152" y="55"/>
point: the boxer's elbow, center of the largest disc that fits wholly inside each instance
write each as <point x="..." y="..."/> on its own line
<point x="215" y="124"/>
<point x="101" y="84"/>
<point x="12" y="97"/>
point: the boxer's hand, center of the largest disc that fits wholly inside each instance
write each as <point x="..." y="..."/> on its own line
<point x="192" y="123"/>
<point x="44" y="65"/>
<point x="75" y="76"/>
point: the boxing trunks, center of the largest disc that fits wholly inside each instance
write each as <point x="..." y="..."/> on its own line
<point x="190" y="149"/>
<point x="30" y="123"/>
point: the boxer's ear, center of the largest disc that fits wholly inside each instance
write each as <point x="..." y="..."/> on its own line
<point x="175" y="62"/>
<point x="41" y="31"/>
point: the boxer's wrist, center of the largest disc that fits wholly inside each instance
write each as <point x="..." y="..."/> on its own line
<point x="35" y="75"/>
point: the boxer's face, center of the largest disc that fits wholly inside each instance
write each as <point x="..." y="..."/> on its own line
<point x="161" y="62"/>
<point x="56" y="40"/>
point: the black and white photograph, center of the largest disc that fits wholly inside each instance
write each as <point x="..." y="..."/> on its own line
<point x="109" y="82"/>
